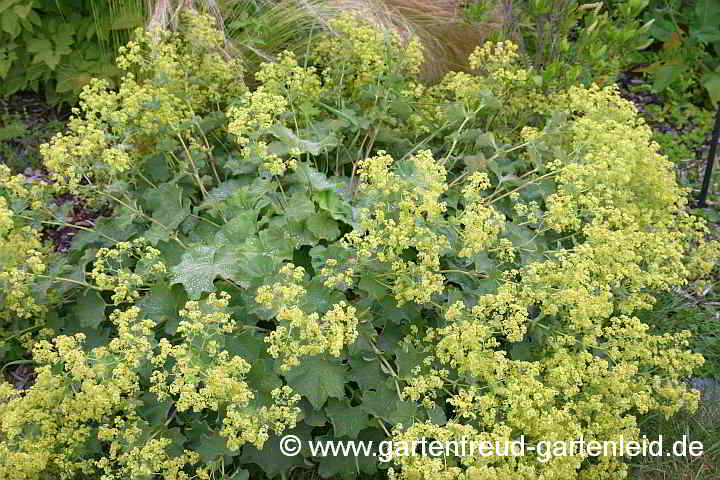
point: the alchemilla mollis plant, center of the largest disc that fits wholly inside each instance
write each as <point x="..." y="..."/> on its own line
<point x="339" y="252"/>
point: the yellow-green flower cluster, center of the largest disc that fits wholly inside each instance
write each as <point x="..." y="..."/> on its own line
<point x="168" y="83"/>
<point x="499" y="60"/>
<point x="287" y="96"/>
<point x="468" y="343"/>
<point x="197" y="386"/>
<point x="599" y="184"/>
<point x="209" y="378"/>
<point x="113" y="270"/>
<point x="257" y="112"/>
<point x="34" y="192"/>
<point x="619" y="196"/>
<point x="252" y="425"/>
<point x="84" y="396"/>
<point x="6" y="222"/>
<point x="301" y="86"/>
<point x="59" y="420"/>
<point x="424" y="388"/>
<point x="23" y="258"/>
<point x="142" y="459"/>
<point x="348" y="62"/>
<point x="502" y="93"/>
<point x="89" y="389"/>
<point x="481" y="224"/>
<point x="468" y="101"/>
<point x="401" y="217"/>
<point x="299" y="333"/>
<point x="358" y="55"/>
<point x="540" y="349"/>
<point x="337" y="276"/>
<point x="529" y="211"/>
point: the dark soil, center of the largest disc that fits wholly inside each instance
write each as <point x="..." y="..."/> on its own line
<point x="33" y="108"/>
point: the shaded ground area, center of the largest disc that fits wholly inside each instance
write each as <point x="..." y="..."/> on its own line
<point x="27" y="121"/>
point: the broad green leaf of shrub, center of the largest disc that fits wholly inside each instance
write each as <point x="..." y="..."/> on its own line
<point x="323" y="226"/>
<point x="201" y="265"/>
<point x="707" y="28"/>
<point x="169" y="209"/>
<point x="712" y="85"/>
<point x="318" y="379"/>
<point x="90" y="309"/>
<point x="347" y="421"/>
<point x="299" y="207"/>
<point x="385" y="404"/>
<point x="271" y="459"/>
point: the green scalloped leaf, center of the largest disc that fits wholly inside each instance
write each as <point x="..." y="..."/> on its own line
<point x="318" y="379"/>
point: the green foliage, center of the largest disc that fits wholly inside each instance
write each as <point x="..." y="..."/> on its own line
<point x="571" y="41"/>
<point x="21" y="135"/>
<point x="57" y="47"/>
<point x="688" y="127"/>
<point x="685" y="53"/>
<point x="12" y="127"/>
<point x="338" y="251"/>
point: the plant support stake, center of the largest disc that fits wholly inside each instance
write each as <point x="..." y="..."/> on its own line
<point x="709" y="166"/>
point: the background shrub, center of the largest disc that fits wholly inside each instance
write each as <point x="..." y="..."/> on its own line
<point x="57" y="47"/>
